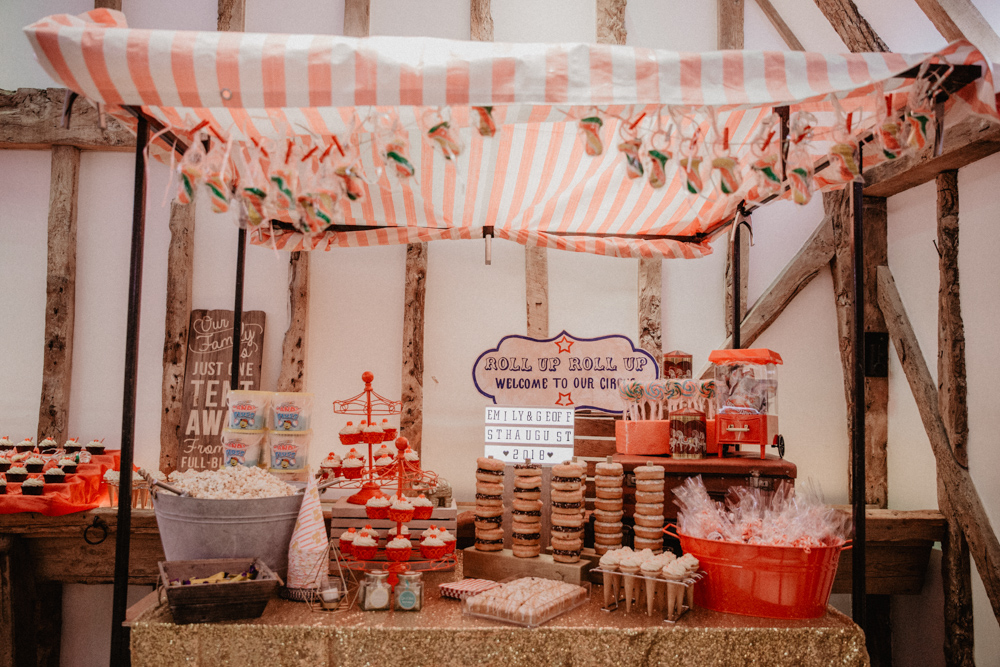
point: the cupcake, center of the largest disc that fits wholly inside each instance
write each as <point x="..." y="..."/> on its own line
<point x="54" y="476"/>
<point x="411" y="459"/>
<point x="372" y="434"/>
<point x="25" y="445"/>
<point x="675" y="573"/>
<point x="383" y="451"/>
<point x="383" y="465"/>
<point x="33" y="486"/>
<point x="377" y="507"/>
<point x="433" y="548"/>
<point x="95" y="447"/>
<point x="370" y="532"/>
<point x="17" y="473"/>
<point x="72" y="446"/>
<point x="331" y="466"/>
<point x="612" y="579"/>
<point x="401" y="510"/>
<point x="388" y="432"/>
<point x="399" y="550"/>
<point x="347" y="541"/>
<point x="68" y="465"/>
<point x="4" y="464"/>
<point x="422" y="508"/>
<point x="629" y="567"/>
<point x="34" y="464"/>
<point x="353" y="467"/>
<point x="449" y="541"/>
<point x="433" y="531"/>
<point x="350" y="434"/>
<point x="405" y="533"/>
<point x="364" y="547"/>
<point x="6" y="443"/>
<point x="654" y="588"/>
<point x="47" y="444"/>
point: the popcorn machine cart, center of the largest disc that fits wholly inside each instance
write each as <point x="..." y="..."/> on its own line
<point x="746" y="395"/>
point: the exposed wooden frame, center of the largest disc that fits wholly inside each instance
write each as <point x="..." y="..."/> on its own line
<point x="60" y="294"/>
<point x="610" y="23"/>
<point x="411" y="421"/>
<point x="294" y="348"/>
<point x="481" y="21"/>
<point x="960" y="19"/>
<point x="536" y="288"/>
<point x="30" y="120"/>
<point x="108" y="4"/>
<point x="357" y="18"/>
<point x="963" y="501"/>
<point x="854" y="30"/>
<point x="791" y="41"/>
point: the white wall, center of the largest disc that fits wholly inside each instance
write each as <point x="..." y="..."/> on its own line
<point x="356" y="297"/>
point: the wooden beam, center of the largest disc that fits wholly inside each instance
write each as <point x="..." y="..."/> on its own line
<point x="536" y="287"/>
<point x="60" y="295"/>
<point x="791" y="41"/>
<point x="180" y="277"/>
<point x="960" y="19"/>
<point x="611" y="21"/>
<point x="108" y="4"/>
<point x="964" y="143"/>
<point x="956" y="570"/>
<point x="30" y="118"/>
<point x="481" y="21"/>
<point x="292" y="376"/>
<point x="854" y="30"/>
<point x="411" y="421"/>
<point x="963" y="500"/>
<point x="357" y="18"/>
<point x="814" y="255"/>
<point x="730" y="18"/>
<point x="232" y="16"/>
<point x="650" y="317"/>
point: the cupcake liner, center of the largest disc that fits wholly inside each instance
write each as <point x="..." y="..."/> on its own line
<point x="16" y="477"/>
<point x="353" y="473"/>
<point x="373" y="438"/>
<point x="433" y="553"/>
<point x="399" y="555"/>
<point x="423" y="513"/>
<point x="400" y="516"/>
<point x="388" y="435"/>
<point x="364" y="553"/>
<point x="31" y="490"/>
<point x="34" y="467"/>
<point x="4" y="466"/>
<point x="69" y="469"/>
<point x="376" y="512"/>
<point x="350" y="438"/>
<point x="346" y="546"/>
<point x="3" y="489"/>
<point x="450" y="546"/>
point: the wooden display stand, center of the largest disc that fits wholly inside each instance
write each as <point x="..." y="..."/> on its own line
<point x="500" y="565"/>
<point x="344" y="515"/>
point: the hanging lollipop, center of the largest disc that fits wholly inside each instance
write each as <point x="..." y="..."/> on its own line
<point x="487" y="126"/>
<point x="283" y="183"/>
<point x="394" y="145"/>
<point x="591" y="129"/>
<point x="191" y="171"/>
<point x="691" y="165"/>
<point x="725" y="175"/>
<point x="845" y="165"/>
<point x="219" y="176"/>
<point x="766" y="161"/>
<point x="659" y="155"/>
<point x="346" y="165"/>
<point x="921" y="107"/>
<point x="311" y="219"/>
<point x="630" y="147"/>
<point x="255" y="191"/>
<point x="442" y="134"/>
<point x="799" y="166"/>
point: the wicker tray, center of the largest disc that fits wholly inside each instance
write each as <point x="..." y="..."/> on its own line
<point x="206" y="603"/>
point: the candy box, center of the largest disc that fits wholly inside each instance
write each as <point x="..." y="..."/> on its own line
<point x="247" y="410"/>
<point x="241" y="447"/>
<point x="288" y="450"/>
<point x="291" y="411"/>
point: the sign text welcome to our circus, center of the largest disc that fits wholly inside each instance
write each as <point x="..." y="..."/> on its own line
<point x="565" y="371"/>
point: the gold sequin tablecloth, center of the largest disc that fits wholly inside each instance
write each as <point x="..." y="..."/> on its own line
<point x="439" y="635"/>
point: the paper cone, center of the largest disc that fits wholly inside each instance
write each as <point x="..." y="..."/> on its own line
<point x="651" y="587"/>
<point x="308" y="551"/>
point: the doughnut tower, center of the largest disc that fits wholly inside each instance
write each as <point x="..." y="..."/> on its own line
<point x="648" y="517"/>
<point x="608" y="480"/>
<point x="526" y="524"/>
<point x="489" y="504"/>
<point x="566" y="492"/>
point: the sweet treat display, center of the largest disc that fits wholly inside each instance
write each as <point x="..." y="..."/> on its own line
<point x="353" y="465"/>
<point x="401" y="510"/>
<point x="68" y="465"/>
<point x="54" y="476"/>
<point x="33" y="486"/>
<point x="649" y="481"/>
<point x="72" y="446"/>
<point x="372" y="434"/>
<point x="399" y="549"/>
<point x="364" y="547"/>
<point x="489" y="505"/>
<point x="6" y="443"/>
<point x="230" y="483"/>
<point x="433" y="548"/>
<point x="609" y="478"/>
<point x="566" y="493"/>
<point x="527" y="601"/>
<point x="241" y="447"/>
<point x="648" y="581"/>
<point x="526" y="530"/>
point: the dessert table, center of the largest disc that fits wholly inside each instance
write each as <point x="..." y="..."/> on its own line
<point x="290" y="634"/>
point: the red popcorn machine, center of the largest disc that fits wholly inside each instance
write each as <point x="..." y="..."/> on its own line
<point x="746" y="398"/>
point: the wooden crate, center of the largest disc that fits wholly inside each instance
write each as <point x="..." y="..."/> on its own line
<point x="500" y="565"/>
<point x="209" y="603"/>
<point x="344" y="515"/>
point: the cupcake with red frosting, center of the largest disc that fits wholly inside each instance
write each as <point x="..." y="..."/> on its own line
<point x="433" y="531"/>
<point x="383" y="451"/>
<point x="377" y="507"/>
<point x="372" y="434"/>
<point x="401" y="510"/>
<point x="388" y="432"/>
<point x="422" y="508"/>
<point x="370" y="532"/>
<point x="449" y="541"/>
<point x="347" y="541"/>
<point x="350" y="434"/>
<point x="353" y="466"/>
<point x="399" y="550"/>
<point x="364" y="547"/>
<point x="433" y="548"/>
<point x="411" y="460"/>
<point x="331" y="466"/>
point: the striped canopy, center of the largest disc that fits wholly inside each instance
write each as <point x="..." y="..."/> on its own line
<point x="532" y="181"/>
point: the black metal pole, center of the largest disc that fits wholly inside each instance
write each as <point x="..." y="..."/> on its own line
<point x="241" y="252"/>
<point x="736" y="281"/>
<point x="858" y="584"/>
<point x="123" y="533"/>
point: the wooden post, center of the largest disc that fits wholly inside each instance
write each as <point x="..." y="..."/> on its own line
<point x="481" y="21"/>
<point x="854" y="30"/>
<point x="357" y="16"/>
<point x="293" y="348"/>
<point x="960" y="19"/>
<point x="611" y="21"/>
<point x="956" y="571"/>
<point x="232" y="16"/>
<point x="30" y="119"/>
<point x="791" y="41"/>
<point x="650" y="319"/>
<point x="180" y="276"/>
<point x="60" y="294"/>
<point x="412" y="419"/>
<point x="108" y="4"/>
<point x="963" y="499"/>
<point x="536" y="287"/>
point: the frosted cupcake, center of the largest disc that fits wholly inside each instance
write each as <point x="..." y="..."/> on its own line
<point x="422" y="508"/>
<point x="433" y="531"/>
<point x="346" y="542"/>
<point x="612" y="579"/>
<point x="372" y="434"/>
<point x="17" y="473"/>
<point x="33" y="486"/>
<point x="383" y="451"/>
<point x="48" y="443"/>
<point x="377" y="507"/>
<point x="383" y="465"/>
<point x="449" y="541"/>
<point x="54" y="476"/>
<point x="370" y="532"/>
<point x="401" y="510"/>
<point x="25" y="445"/>
<point x="365" y="547"/>
<point x="6" y="443"/>
<point x="3" y="486"/>
<point x="353" y="467"/>
<point x="399" y="549"/>
<point x="675" y="573"/>
<point x="95" y="447"/>
<point x="34" y="464"/>
<point x="411" y="459"/>
<point x="388" y="432"/>
<point x="4" y="464"/>
<point x="433" y="548"/>
<point x="331" y="466"/>
<point x="72" y="446"/>
<point x="350" y="434"/>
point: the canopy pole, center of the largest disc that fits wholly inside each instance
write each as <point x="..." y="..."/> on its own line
<point x="119" y="634"/>
<point x="241" y="252"/>
<point x="742" y="218"/>
<point x="858" y="583"/>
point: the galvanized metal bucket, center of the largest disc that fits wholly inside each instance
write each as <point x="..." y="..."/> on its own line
<point x="197" y="528"/>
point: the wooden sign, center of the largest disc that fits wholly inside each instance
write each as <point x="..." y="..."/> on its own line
<point x="207" y="375"/>
<point x="543" y="435"/>
<point x="564" y="371"/>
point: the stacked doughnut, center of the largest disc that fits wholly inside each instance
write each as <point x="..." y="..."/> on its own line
<point x="489" y="504"/>
<point x="649" y="508"/>
<point x="608" y="480"/>
<point x="566" y="493"/>
<point x="526" y="524"/>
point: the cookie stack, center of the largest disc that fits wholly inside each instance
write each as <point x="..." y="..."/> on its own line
<point x="526" y="523"/>
<point x="489" y="504"/>
<point x="608" y="480"/>
<point x="649" y="508"/>
<point x="566" y="493"/>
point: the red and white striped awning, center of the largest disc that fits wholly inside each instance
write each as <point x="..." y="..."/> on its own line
<point x="532" y="181"/>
